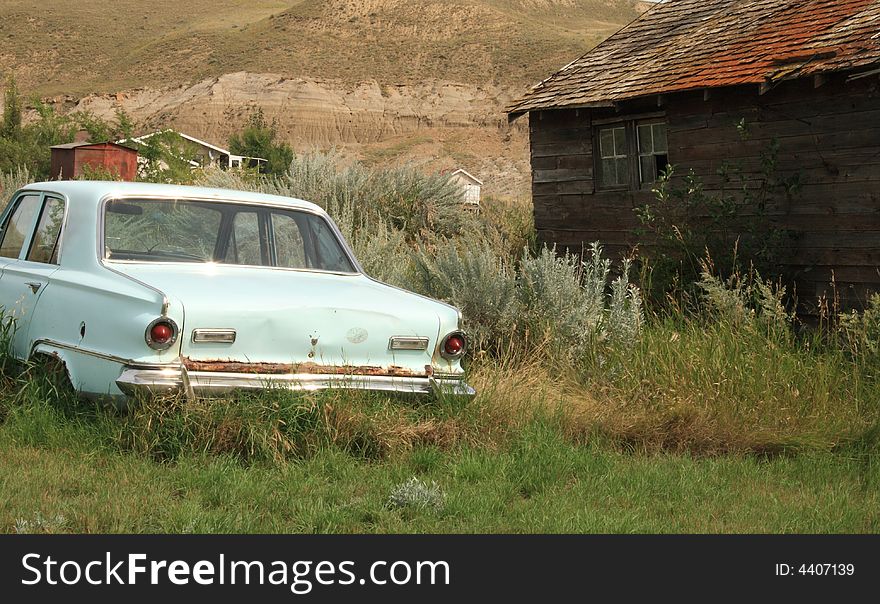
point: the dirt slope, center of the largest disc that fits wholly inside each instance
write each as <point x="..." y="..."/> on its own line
<point x="384" y="80"/>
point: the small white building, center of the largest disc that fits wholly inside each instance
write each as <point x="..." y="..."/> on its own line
<point x="471" y="185"/>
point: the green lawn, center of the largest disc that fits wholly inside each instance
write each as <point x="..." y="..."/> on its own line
<point x="60" y="475"/>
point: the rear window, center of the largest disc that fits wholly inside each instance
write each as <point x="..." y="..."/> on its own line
<point x="201" y="231"/>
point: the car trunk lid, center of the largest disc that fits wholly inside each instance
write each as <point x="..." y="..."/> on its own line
<point x="287" y="321"/>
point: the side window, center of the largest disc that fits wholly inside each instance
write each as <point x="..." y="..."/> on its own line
<point x="244" y="247"/>
<point x="289" y="245"/>
<point x="19" y="226"/>
<point x="653" y="156"/>
<point x="330" y="253"/>
<point x="614" y="160"/>
<point x="630" y="154"/>
<point x="44" y="247"/>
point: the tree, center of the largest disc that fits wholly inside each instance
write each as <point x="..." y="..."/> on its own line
<point x="258" y="139"/>
<point x="11" y="127"/>
<point x="28" y="145"/>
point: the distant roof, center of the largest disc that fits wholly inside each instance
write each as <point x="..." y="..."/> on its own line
<point x="220" y="150"/>
<point x="468" y="175"/>
<point x="681" y="45"/>
<point x="88" y="144"/>
<point x="140" y="139"/>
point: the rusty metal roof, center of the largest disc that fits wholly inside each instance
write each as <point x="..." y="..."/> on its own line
<point x="88" y="144"/>
<point x="683" y="45"/>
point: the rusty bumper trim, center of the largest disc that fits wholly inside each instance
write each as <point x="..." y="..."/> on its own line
<point x="296" y="368"/>
<point x="134" y="381"/>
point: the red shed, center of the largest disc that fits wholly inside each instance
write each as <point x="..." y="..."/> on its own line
<point x="69" y="160"/>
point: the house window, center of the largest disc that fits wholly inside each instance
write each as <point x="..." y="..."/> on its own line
<point x="613" y="153"/>
<point x="631" y="154"/>
<point x="652" y="151"/>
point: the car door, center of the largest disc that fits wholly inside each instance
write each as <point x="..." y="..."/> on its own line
<point x="29" y="247"/>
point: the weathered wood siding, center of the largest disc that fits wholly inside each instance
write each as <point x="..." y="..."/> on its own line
<point x="828" y="135"/>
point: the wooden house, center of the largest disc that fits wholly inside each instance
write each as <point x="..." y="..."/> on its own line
<point x="711" y="87"/>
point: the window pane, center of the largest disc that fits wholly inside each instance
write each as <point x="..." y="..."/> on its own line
<point x="19" y="226"/>
<point x="609" y="172"/>
<point x="289" y="247"/>
<point x="647" y="169"/>
<point x="619" y="142"/>
<point x="331" y="256"/>
<point x="661" y="162"/>
<point x="622" y="171"/>
<point x="659" y="131"/>
<point x="43" y="247"/>
<point x="244" y="246"/>
<point x="645" y="141"/>
<point x="156" y="231"/>
<point x="606" y="143"/>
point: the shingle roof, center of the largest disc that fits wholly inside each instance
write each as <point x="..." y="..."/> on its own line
<point x="695" y="44"/>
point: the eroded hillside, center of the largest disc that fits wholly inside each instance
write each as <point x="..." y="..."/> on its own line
<point x="384" y="80"/>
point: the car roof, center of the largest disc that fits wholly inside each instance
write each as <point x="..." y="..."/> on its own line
<point x="99" y="189"/>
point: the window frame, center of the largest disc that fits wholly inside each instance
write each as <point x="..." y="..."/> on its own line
<point x="55" y="258"/>
<point x="640" y="155"/>
<point x="43" y="198"/>
<point x="630" y="126"/>
<point x="261" y="208"/>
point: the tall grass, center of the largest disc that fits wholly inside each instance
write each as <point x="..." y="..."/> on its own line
<point x="412" y="230"/>
<point x="10" y="182"/>
<point x="558" y="339"/>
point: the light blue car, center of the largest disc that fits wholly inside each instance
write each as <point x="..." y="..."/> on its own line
<point x="159" y="288"/>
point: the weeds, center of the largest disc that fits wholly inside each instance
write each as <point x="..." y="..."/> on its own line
<point x="561" y="347"/>
<point x="415" y="493"/>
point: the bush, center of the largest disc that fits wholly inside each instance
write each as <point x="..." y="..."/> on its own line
<point x="258" y="140"/>
<point x="412" y="230"/>
<point x="362" y="200"/>
<point x="549" y="299"/>
<point x="415" y="493"/>
<point x="27" y="145"/>
<point x="737" y="225"/>
<point x="479" y="282"/>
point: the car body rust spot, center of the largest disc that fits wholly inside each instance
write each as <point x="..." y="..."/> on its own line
<point x="220" y="366"/>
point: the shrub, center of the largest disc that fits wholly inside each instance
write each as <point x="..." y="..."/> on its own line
<point x="860" y="332"/>
<point x="402" y="198"/>
<point x="479" y="282"/>
<point x="28" y="144"/>
<point x="549" y="298"/>
<point x="684" y="222"/>
<point x="415" y="493"/>
<point x="258" y="139"/>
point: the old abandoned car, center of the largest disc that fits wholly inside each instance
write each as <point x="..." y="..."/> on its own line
<point x="161" y="288"/>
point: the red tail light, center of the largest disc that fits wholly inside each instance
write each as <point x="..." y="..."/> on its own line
<point x="453" y="346"/>
<point x="161" y="333"/>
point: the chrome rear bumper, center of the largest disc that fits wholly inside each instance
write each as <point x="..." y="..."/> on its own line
<point x="134" y="381"/>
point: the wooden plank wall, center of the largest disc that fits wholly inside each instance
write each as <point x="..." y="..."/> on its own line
<point x="829" y="136"/>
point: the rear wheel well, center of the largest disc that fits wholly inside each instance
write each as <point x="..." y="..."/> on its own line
<point x="51" y="366"/>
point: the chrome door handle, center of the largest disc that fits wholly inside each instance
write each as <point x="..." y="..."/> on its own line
<point x="34" y="286"/>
